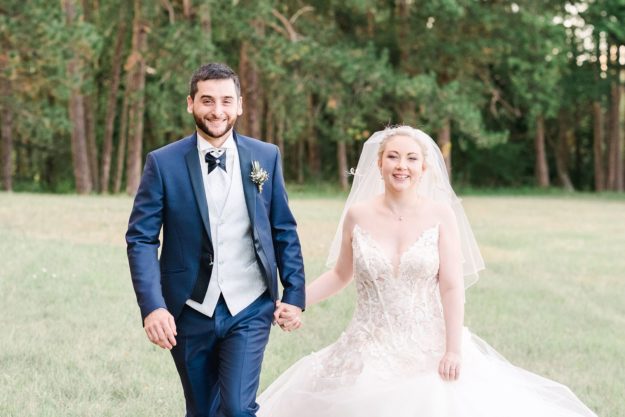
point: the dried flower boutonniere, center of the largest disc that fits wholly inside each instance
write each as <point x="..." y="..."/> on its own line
<point x="258" y="175"/>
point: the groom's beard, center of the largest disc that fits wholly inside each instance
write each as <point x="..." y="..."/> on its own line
<point x="202" y="124"/>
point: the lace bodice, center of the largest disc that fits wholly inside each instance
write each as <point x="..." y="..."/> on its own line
<point x="398" y="324"/>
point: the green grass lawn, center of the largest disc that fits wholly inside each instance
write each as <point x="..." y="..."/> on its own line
<point x="552" y="300"/>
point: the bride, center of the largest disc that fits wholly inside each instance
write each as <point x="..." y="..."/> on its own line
<point x="405" y="239"/>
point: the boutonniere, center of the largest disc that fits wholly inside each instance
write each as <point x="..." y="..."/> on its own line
<point x="258" y="175"/>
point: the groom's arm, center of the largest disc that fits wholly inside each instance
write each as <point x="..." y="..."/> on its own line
<point x="142" y="239"/>
<point x="286" y="243"/>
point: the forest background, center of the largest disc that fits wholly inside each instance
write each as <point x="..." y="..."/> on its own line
<point x="517" y="94"/>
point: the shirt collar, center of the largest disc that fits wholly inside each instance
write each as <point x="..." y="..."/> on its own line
<point x="204" y="146"/>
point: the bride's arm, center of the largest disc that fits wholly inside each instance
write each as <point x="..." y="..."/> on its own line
<point x="451" y="285"/>
<point x="337" y="278"/>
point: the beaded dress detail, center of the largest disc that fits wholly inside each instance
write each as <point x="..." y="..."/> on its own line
<point x="385" y="362"/>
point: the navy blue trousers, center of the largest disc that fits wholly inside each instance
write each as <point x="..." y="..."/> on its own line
<point x="219" y="358"/>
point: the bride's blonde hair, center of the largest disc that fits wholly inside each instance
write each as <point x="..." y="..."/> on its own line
<point x="401" y="130"/>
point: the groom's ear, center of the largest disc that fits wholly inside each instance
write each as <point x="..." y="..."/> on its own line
<point x="189" y="104"/>
<point x="240" y="106"/>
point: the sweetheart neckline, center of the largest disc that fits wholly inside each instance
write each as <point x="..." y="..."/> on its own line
<point x="395" y="269"/>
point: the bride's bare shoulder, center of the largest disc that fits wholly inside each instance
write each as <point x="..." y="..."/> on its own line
<point x="440" y="211"/>
<point x="362" y="211"/>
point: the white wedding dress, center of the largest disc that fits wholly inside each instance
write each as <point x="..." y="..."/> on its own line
<point x="385" y="364"/>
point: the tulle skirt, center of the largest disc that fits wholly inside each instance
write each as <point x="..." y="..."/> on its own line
<point x="489" y="386"/>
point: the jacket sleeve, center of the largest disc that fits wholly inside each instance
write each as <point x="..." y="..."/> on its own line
<point x="286" y="242"/>
<point x="142" y="239"/>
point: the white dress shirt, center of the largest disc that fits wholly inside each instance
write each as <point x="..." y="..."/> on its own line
<point x="235" y="273"/>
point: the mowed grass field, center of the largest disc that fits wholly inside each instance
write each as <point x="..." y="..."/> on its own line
<point x="552" y="300"/>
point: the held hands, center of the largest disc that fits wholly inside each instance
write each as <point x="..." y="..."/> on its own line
<point x="288" y="316"/>
<point x="160" y="327"/>
<point x="449" y="366"/>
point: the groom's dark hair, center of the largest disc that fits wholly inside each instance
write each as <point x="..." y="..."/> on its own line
<point x="213" y="71"/>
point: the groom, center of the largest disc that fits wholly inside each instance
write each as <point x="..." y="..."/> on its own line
<point x="227" y="230"/>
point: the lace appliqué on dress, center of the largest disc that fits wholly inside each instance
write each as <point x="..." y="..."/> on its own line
<point x="398" y="327"/>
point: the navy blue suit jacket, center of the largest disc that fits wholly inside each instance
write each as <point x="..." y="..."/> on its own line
<point x="171" y="195"/>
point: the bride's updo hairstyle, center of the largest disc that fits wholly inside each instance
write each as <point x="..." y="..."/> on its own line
<point x="393" y="131"/>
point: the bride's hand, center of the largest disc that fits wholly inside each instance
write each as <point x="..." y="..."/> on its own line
<point x="449" y="366"/>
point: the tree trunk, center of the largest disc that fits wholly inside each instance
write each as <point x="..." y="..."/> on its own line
<point x="205" y="21"/>
<point x="314" y="161"/>
<point x="341" y="157"/>
<point x="406" y="108"/>
<point x="6" y="120"/>
<point x="86" y="10"/>
<point x="562" y="153"/>
<point x="402" y="9"/>
<point x="90" y="106"/>
<point x="270" y="123"/>
<point x="598" y="146"/>
<point x="135" y="66"/>
<point x="301" y="148"/>
<point x="541" y="167"/>
<point x="187" y="9"/>
<point x="250" y="88"/>
<point x="371" y="14"/>
<point x="243" y="123"/>
<point x="620" y="162"/>
<point x="80" y="155"/>
<point x="280" y="134"/>
<point x="444" y="142"/>
<point x="121" y="146"/>
<point x="92" y="147"/>
<point x="614" y="144"/>
<point x="20" y="160"/>
<point x="111" y="108"/>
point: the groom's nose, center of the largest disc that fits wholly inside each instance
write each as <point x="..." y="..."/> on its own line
<point x="217" y="109"/>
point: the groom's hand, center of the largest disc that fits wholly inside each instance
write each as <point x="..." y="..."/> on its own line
<point x="160" y="327"/>
<point x="288" y="316"/>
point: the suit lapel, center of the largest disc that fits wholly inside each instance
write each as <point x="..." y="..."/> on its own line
<point x="249" y="189"/>
<point x="195" y="173"/>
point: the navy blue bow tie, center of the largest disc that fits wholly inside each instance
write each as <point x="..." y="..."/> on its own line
<point x="215" y="161"/>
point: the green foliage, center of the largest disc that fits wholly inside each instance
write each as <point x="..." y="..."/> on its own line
<point x="333" y="70"/>
<point x="499" y="165"/>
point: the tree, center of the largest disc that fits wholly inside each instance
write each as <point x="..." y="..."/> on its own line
<point x="535" y="72"/>
<point x="80" y="155"/>
<point x="6" y="151"/>
<point x="111" y="107"/>
<point x="515" y="85"/>
<point x="607" y="21"/>
<point x="135" y="83"/>
<point x="6" y="120"/>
